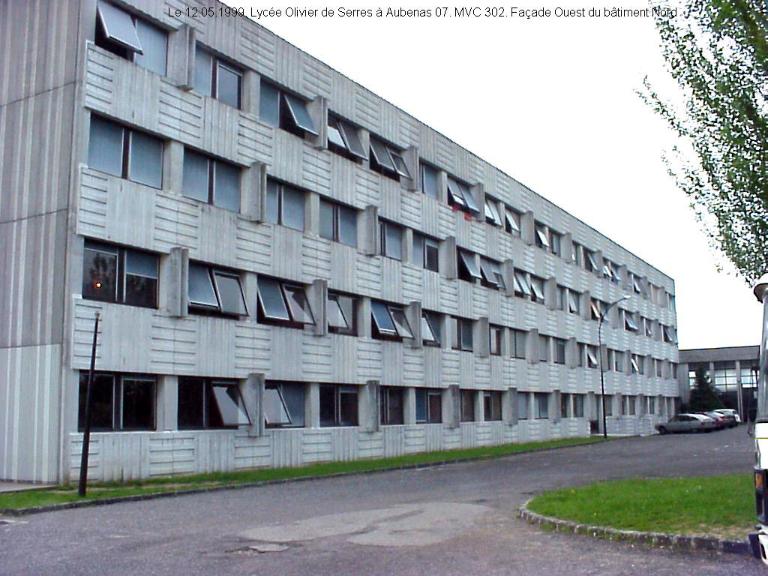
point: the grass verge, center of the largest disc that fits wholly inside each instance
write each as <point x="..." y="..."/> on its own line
<point x="101" y="491"/>
<point x="721" y="506"/>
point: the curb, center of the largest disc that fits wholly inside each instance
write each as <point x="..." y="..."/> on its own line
<point x="655" y="539"/>
<point x="13" y="512"/>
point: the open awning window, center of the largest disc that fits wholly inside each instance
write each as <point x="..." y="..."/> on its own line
<point x="300" y="114"/>
<point x="229" y="404"/>
<point x="537" y="285"/>
<point x="344" y="135"/>
<point x="427" y="333"/>
<point x="521" y="284"/>
<point x="492" y="212"/>
<point x="215" y="290"/>
<point x="298" y="304"/>
<point x="591" y="357"/>
<point x="455" y="193"/>
<point x="381" y="318"/>
<point x="336" y="317"/>
<point x="382" y="156"/>
<point x="467" y="260"/>
<point x="401" y="322"/>
<point x="400" y="166"/>
<point x="635" y="366"/>
<point x="541" y="234"/>
<point x="492" y="273"/>
<point x="513" y="224"/>
<point x="629" y="321"/>
<point x="118" y="26"/>
<point x="275" y="410"/>
<point x="271" y="300"/>
<point x="573" y="304"/>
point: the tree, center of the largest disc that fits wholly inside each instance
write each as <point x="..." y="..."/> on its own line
<point x="703" y="396"/>
<point x="717" y="52"/>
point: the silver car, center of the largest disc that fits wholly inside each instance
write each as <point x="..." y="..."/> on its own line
<point x="687" y="423"/>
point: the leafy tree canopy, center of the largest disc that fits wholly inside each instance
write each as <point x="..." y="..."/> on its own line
<point x="703" y="396"/>
<point x="717" y="52"/>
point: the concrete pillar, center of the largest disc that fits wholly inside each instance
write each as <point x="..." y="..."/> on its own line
<point x="478" y="191"/>
<point x="452" y="406"/>
<point x="364" y="323"/>
<point x="528" y="228"/>
<point x="408" y="254"/>
<point x="481" y="337"/>
<point x="168" y="403"/>
<point x="253" y="192"/>
<point x="318" y="111"/>
<point x="177" y="278"/>
<point x="317" y="298"/>
<point x="409" y="406"/>
<point x="252" y="392"/>
<point x="556" y="401"/>
<point x="411" y="159"/>
<point x="312" y="405"/>
<point x="182" y="44"/>
<point x="173" y="167"/>
<point x="370" y="231"/>
<point x="480" y="406"/>
<point x="508" y="408"/>
<point x="447" y="255"/>
<point x="508" y="272"/>
<point x="413" y="315"/>
<point x="369" y="406"/>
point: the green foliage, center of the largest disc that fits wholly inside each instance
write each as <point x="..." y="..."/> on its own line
<point x="717" y="51"/>
<point x="703" y="395"/>
<point x="717" y="505"/>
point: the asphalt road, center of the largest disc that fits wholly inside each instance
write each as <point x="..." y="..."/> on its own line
<point x="455" y="519"/>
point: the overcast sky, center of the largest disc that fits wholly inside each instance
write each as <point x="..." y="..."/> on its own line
<point x="551" y="102"/>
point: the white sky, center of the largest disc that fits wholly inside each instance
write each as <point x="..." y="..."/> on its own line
<point x="564" y="89"/>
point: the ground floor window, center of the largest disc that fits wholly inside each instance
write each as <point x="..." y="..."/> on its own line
<point x="578" y="405"/>
<point x="118" y="402"/>
<point x="522" y="406"/>
<point x="468" y="405"/>
<point x="391" y="405"/>
<point x="541" y="401"/>
<point x="565" y="401"/>
<point x="284" y="404"/>
<point x="429" y="406"/>
<point x="492" y="406"/>
<point x="210" y="403"/>
<point x="338" y="405"/>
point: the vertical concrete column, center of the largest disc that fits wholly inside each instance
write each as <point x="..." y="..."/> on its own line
<point x="555" y="412"/>
<point x="447" y="256"/>
<point x="532" y="346"/>
<point x="508" y="408"/>
<point x="480" y="415"/>
<point x="619" y="404"/>
<point x="312" y="405"/>
<point x="572" y="352"/>
<point x="411" y="159"/>
<point x="628" y="362"/>
<point x="408" y="254"/>
<point x="318" y="111"/>
<point x="452" y="406"/>
<point x="251" y="92"/>
<point x="413" y="315"/>
<point x="599" y="261"/>
<point x="369" y="406"/>
<point x="252" y="392"/>
<point x="585" y="305"/>
<point x="173" y="167"/>
<point x="409" y="406"/>
<point x="566" y="247"/>
<point x="370" y="231"/>
<point x="550" y="293"/>
<point x="442" y="183"/>
<point x="478" y="191"/>
<point x="364" y="323"/>
<point x="312" y="210"/>
<point x="253" y="187"/>
<point x="177" y="278"/>
<point x="481" y="337"/>
<point x="508" y="272"/>
<point x="168" y="403"/>
<point x="317" y="297"/>
<point x="528" y="228"/>
<point x="182" y="44"/>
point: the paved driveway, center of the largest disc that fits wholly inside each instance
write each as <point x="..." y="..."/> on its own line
<point x="456" y="519"/>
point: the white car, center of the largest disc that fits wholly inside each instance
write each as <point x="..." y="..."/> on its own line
<point x="687" y="423"/>
<point x="730" y="411"/>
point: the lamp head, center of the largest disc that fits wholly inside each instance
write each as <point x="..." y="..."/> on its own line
<point x="760" y="287"/>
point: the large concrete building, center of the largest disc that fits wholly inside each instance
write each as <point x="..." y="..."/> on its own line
<point x="288" y="268"/>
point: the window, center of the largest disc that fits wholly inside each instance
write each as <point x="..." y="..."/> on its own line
<point x="543" y="348"/>
<point x="630" y="323"/>
<point x="608" y="405"/>
<point x="560" y="298"/>
<point x="537" y="289"/>
<point x="628" y="405"/>
<point x="556" y="241"/>
<point x="648" y="324"/>
<point x="496" y="339"/>
<point x="217" y="79"/>
<point x="429" y="406"/>
<point x="119" y="275"/>
<point x="342" y="314"/>
<point x="461" y="197"/>
<point x="391" y="405"/>
<point x="674" y="370"/>
<point x="430" y="181"/>
<point x="491" y="274"/>
<point x="210" y="403"/>
<point x="211" y="181"/>
<point x="344" y="139"/>
<point x="118" y="402"/>
<point x="468" y="269"/>
<point x="431" y="324"/>
<point x="387" y="160"/>
<point x="578" y="405"/>
<point x="637" y="363"/>
<point x="669" y="334"/>
<point x="522" y="405"/>
<point x="581" y="350"/>
<point x="518" y="339"/>
<point x="426" y="252"/>
<point x="541" y="405"/>
<point x="596" y="309"/>
<point x="651" y="405"/>
<point x="338" y="405"/>
<point x="522" y="284"/>
<point x="559" y="350"/>
<point x="284" y="404"/>
<point x="125" y="153"/>
<point x="591" y="356"/>
<point x="461" y="331"/>
<point x="468" y="398"/>
<point x="659" y="364"/>
<point x="285" y="205"/>
<point x="512" y="221"/>
<point x="618" y="361"/>
<point x="634" y="282"/>
<point x="131" y="38"/>
<point x="573" y="302"/>
<point x="565" y="402"/>
<point x="542" y="236"/>
<point x="289" y="112"/>
<point x="492" y="215"/>
<point x="214" y="290"/>
<point x="283" y="303"/>
<point x="391" y="240"/>
<point x="492" y="406"/>
<point x="609" y="271"/>
<point x="338" y="223"/>
<point x="389" y="321"/>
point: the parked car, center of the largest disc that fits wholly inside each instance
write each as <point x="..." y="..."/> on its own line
<point x="721" y="422"/>
<point x="687" y="423"/>
<point x="732" y="415"/>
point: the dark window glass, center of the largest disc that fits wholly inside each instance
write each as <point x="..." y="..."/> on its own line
<point x="138" y="403"/>
<point x="298" y="304"/>
<point x="348" y="406"/>
<point x="226" y="192"/>
<point x="338" y="405"/>
<point x="228" y="85"/>
<point x="230" y="293"/>
<point x="382" y="321"/>
<point x="284" y="404"/>
<point x="146" y="160"/>
<point x="543" y="348"/>
<point x="522" y="405"/>
<point x="468" y="405"/>
<point x="391" y="406"/>
<point x="191" y="403"/>
<point x="105" y="147"/>
<point x="468" y="269"/>
<point x="140" y="279"/>
<point x="342" y="314"/>
<point x="154" y="43"/>
<point x="492" y="406"/>
<point x="421" y="405"/>
<point x="381" y="158"/>
<point x="435" y="326"/>
<point x="328" y="408"/>
<point x="273" y="202"/>
<point x="466" y="335"/>
<point x="292" y="208"/>
<point x="102" y="401"/>
<point x="542" y="405"/>
<point x="196" y="184"/>
<point x="559" y="351"/>
<point x="201" y="291"/>
<point x="327" y="220"/>
<point x="113" y="274"/>
<point x="391" y="240"/>
<point x="401" y="322"/>
<point x="520" y="338"/>
<point x="495" y="340"/>
<point x="269" y="104"/>
<point x="338" y="223"/>
<point x="429" y="181"/>
<point x="347" y="226"/>
<point x="227" y="406"/>
<point x="100" y="273"/>
<point x="432" y="255"/>
<point x="117" y="27"/>
<point x="203" y="72"/>
<point x="300" y="114"/>
<point x="435" y="406"/>
<point x="271" y="299"/>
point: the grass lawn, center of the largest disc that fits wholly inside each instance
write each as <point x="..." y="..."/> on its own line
<point x="66" y="494"/>
<point x="722" y="506"/>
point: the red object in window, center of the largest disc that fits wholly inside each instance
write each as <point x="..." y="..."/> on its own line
<point x="468" y="216"/>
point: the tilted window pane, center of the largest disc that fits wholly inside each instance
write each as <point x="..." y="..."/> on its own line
<point x="347" y="226"/>
<point x="573" y="302"/>
<point x="105" y="147"/>
<point x="470" y="264"/>
<point x="334" y="136"/>
<point x="591" y="357"/>
<point x="195" y="183"/>
<point x="351" y="138"/>
<point x="146" y="160"/>
<point x="541" y="236"/>
<point x="102" y="401"/>
<point x="269" y="104"/>
<point x="118" y="26"/>
<point x="469" y="198"/>
<point x="336" y="317"/>
<point x="138" y="404"/>
<point x="537" y="285"/>
<point x="492" y="212"/>
<point x="426" y="331"/>
<point x="435" y="324"/>
<point x="203" y="72"/>
<point x="401" y="322"/>
<point x="230" y="293"/>
<point x="400" y="165"/>
<point x="382" y="319"/>
<point x="432" y="255"/>
<point x="300" y="114"/>
<point x="140" y="279"/>
<point x="298" y="304"/>
<point x="521" y="284"/>
<point x="293" y="208"/>
<point x="429" y="181"/>
<point x="513" y="222"/>
<point x="294" y="398"/>
<point x="381" y="155"/>
<point x="201" y="291"/>
<point x="228" y="85"/>
<point x="154" y="41"/>
<point x="275" y="410"/>
<point x="271" y="299"/>
<point x="229" y="404"/>
<point x="100" y="273"/>
<point x="226" y="191"/>
<point x="191" y="403"/>
<point x="273" y="193"/>
<point x="488" y="274"/>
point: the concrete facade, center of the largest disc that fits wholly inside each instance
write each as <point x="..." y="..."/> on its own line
<point x="56" y="80"/>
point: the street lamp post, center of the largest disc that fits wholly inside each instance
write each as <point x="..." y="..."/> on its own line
<point x="603" y="313"/>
